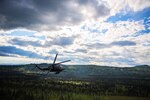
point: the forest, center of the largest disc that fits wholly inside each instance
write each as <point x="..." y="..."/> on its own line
<point x="16" y="84"/>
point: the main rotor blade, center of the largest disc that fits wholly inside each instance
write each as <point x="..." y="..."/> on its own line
<point x="55" y="59"/>
<point x="47" y="73"/>
<point x="63" y="62"/>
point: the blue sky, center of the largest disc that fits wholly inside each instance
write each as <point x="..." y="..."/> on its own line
<point x="99" y="32"/>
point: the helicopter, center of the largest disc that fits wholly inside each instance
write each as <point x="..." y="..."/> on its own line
<point x="55" y="67"/>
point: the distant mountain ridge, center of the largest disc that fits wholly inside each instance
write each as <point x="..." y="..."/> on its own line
<point x="92" y="72"/>
<point x="142" y="66"/>
<point x="47" y="64"/>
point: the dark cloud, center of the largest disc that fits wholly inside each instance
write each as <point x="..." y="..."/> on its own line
<point x="76" y="51"/>
<point x="99" y="6"/>
<point x="115" y="43"/>
<point x="32" y="14"/>
<point x="123" y="43"/>
<point x="63" y="41"/>
<point x="3" y="54"/>
<point x="97" y="45"/>
<point x="81" y="50"/>
<point x="43" y="14"/>
<point x="16" y="13"/>
<point x="20" y="42"/>
<point x="13" y="51"/>
<point x="60" y="41"/>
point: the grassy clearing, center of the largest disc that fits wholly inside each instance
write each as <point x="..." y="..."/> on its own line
<point x="74" y="82"/>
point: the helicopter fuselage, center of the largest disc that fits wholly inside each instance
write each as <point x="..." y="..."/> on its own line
<point x="55" y="67"/>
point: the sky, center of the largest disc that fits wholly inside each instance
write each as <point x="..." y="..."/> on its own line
<point x="95" y="32"/>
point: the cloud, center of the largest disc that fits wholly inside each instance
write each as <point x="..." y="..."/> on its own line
<point x="26" y="41"/>
<point x="46" y="14"/>
<point x="103" y="32"/>
<point x="138" y="5"/>
<point x="127" y="5"/>
<point x="97" y="45"/>
<point x="34" y="13"/>
<point x="131" y="15"/>
<point x="123" y="43"/>
<point x="109" y="45"/>
<point x="13" y="51"/>
<point x="81" y="50"/>
<point x="14" y="14"/>
<point x="99" y="7"/>
<point x="23" y="42"/>
<point x="63" y="41"/>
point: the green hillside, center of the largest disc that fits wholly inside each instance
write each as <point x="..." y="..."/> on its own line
<point x="92" y="71"/>
<point x="76" y="82"/>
